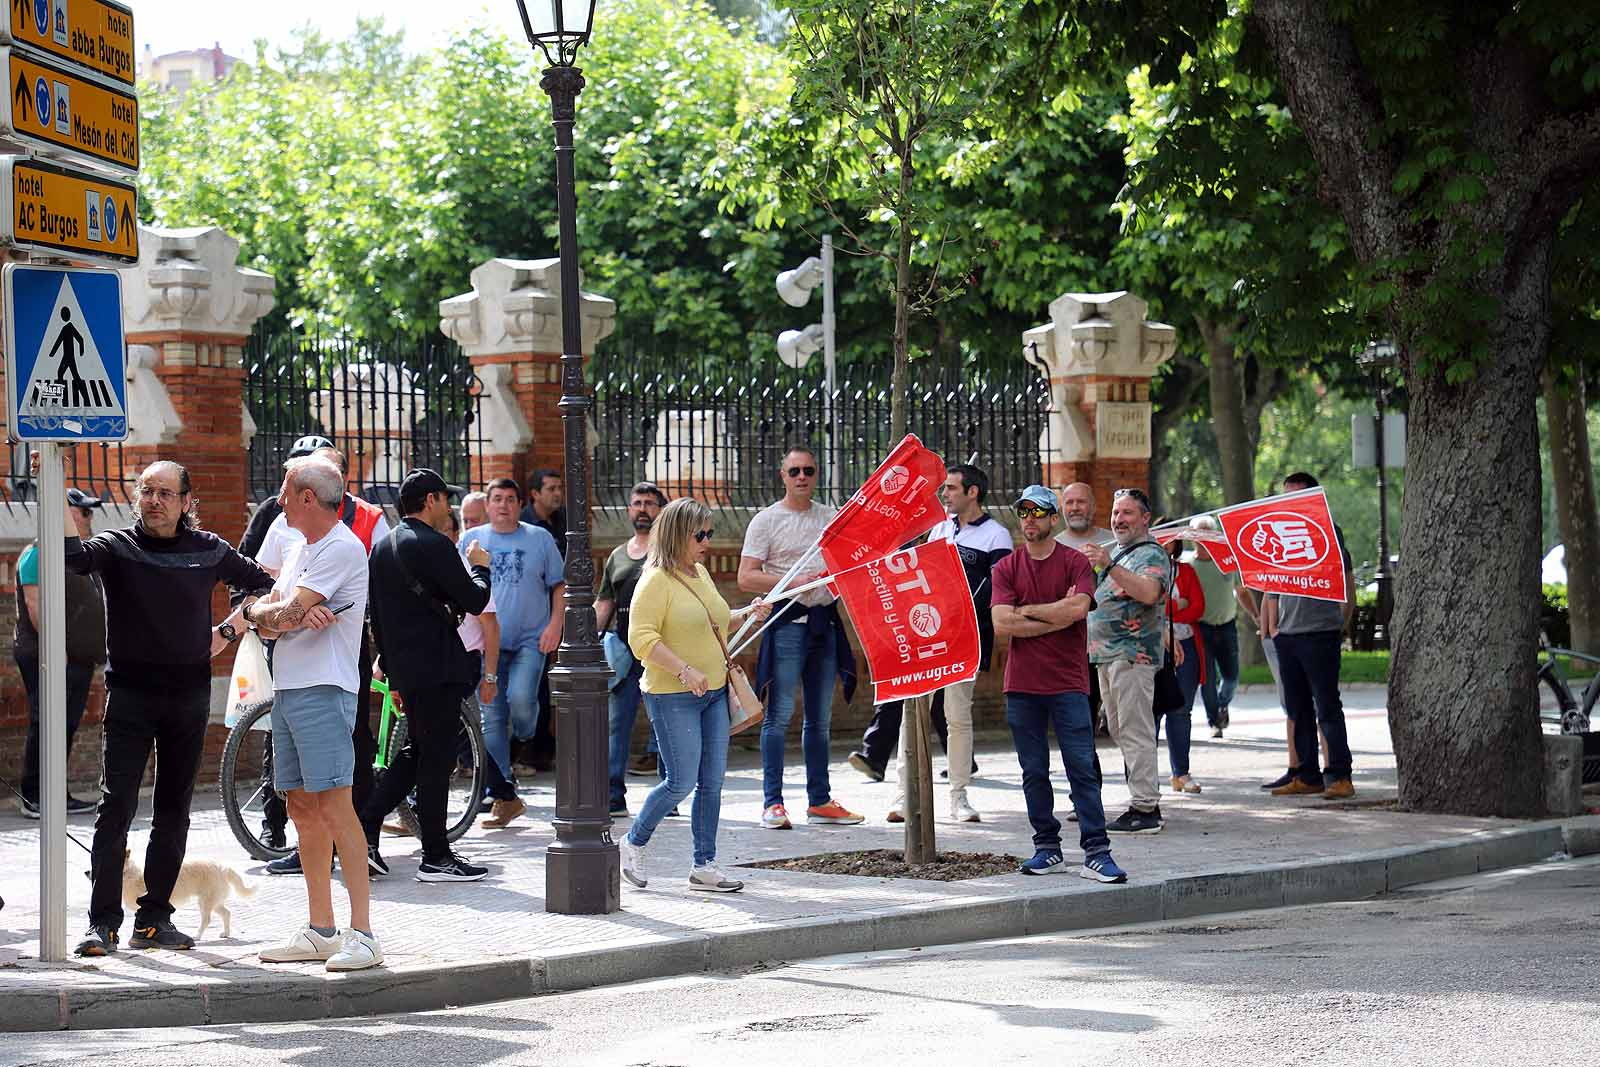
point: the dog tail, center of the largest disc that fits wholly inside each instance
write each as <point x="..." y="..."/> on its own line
<point x="245" y="889"/>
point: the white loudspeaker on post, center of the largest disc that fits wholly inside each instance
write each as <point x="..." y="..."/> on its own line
<point x="796" y="347"/>
<point x="795" y="286"/>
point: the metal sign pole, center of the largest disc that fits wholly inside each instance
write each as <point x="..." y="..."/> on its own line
<point x="52" y="707"/>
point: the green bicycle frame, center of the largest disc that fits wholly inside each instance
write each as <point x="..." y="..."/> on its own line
<point x="380" y="762"/>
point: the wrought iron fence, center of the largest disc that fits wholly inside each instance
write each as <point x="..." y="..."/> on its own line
<point x="721" y="436"/>
<point x="97" y="469"/>
<point x="390" y="407"/>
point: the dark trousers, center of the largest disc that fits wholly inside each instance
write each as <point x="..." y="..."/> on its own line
<point x="880" y="744"/>
<point x="173" y="722"/>
<point x="1309" y="667"/>
<point x="275" y="810"/>
<point x="1031" y="718"/>
<point x="78" y="679"/>
<point x="433" y="716"/>
<point x="1222" y="666"/>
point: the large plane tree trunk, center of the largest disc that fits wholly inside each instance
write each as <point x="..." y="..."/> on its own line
<point x="1571" y="469"/>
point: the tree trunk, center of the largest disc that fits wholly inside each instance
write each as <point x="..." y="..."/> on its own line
<point x="1567" y="417"/>
<point x="1236" y="446"/>
<point x="1462" y="700"/>
<point x="917" y="721"/>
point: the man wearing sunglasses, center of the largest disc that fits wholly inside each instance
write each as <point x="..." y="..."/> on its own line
<point x="1126" y="630"/>
<point x="1042" y="594"/>
<point x="804" y="646"/>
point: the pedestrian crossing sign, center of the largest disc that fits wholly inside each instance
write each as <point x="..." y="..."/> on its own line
<point x="66" y="377"/>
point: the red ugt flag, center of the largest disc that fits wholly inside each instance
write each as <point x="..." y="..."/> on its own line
<point x="915" y="619"/>
<point x="1286" y="544"/>
<point x="899" y="503"/>
<point x="1214" y="542"/>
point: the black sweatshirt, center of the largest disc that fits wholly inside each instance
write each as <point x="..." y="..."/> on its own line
<point x="158" y="601"/>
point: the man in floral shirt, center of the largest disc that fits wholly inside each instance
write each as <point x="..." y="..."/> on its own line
<point x="1126" y="631"/>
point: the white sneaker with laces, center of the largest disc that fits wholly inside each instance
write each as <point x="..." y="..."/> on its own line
<point x="304" y="947"/>
<point x="357" y="952"/>
<point x="960" y="810"/>
<point x="632" y="862"/>
<point x="776" y="817"/>
<point x="708" y="878"/>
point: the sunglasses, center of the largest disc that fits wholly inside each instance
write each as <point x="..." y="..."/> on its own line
<point x="702" y="536"/>
<point x="809" y="472"/>
<point x="1137" y="494"/>
<point x="1029" y="510"/>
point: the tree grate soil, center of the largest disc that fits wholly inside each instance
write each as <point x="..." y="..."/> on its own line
<point x="890" y="863"/>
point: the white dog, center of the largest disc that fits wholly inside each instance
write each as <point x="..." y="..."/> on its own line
<point x="208" y="884"/>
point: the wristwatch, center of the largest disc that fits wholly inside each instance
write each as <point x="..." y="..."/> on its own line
<point x="492" y="679"/>
<point x="228" y="633"/>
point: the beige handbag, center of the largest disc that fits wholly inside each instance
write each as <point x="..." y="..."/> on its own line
<point x="744" y="707"/>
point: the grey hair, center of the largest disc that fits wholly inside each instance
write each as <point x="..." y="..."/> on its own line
<point x="318" y="474"/>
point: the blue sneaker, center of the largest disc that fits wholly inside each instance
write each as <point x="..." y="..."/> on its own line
<point x="1102" y="868"/>
<point x="1045" y="861"/>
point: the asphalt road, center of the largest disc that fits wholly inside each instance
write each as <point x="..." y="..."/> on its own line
<point x="1499" y="969"/>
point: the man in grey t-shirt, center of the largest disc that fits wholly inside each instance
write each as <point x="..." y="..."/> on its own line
<point x="1308" y="634"/>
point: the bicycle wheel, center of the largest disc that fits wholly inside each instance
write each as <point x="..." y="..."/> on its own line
<point x="246" y="784"/>
<point x="466" y="782"/>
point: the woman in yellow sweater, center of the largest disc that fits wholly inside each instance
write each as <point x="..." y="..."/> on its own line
<point x="670" y="629"/>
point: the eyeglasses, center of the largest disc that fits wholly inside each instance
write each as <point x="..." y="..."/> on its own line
<point x="1137" y="494"/>
<point x="702" y="536"/>
<point x="1029" y="510"/>
<point x="809" y="472"/>
<point x="166" y="496"/>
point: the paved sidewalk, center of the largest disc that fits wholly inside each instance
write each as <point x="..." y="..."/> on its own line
<point x="1231" y="847"/>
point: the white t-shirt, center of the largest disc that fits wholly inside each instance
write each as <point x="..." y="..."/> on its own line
<point x="281" y="537"/>
<point x="987" y="535"/>
<point x="779" y="536"/>
<point x="336" y="567"/>
<point x="471" y="629"/>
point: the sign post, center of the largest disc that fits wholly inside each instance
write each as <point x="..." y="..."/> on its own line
<point x="66" y="380"/>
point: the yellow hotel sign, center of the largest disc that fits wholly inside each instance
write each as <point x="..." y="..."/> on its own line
<point x="94" y="35"/>
<point x="59" y="112"/>
<point x="66" y="210"/>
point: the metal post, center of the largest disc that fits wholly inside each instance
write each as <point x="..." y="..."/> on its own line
<point x="582" y="871"/>
<point x="1385" y="593"/>
<point x="835" y="475"/>
<point x="51" y="507"/>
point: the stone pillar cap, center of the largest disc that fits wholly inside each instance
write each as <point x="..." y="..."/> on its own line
<point x="188" y="279"/>
<point x="515" y="308"/>
<point x="1099" y="334"/>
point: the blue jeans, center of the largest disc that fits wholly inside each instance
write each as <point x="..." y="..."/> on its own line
<point x="1222" y="666"/>
<point x="623" y="706"/>
<point x="516" y="704"/>
<point x="1030" y="717"/>
<point x="693" y="734"/>
<point x="1180" y="723"/>
<point x="798" y="660"/>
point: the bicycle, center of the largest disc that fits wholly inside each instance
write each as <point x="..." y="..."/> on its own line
<point x="245" y="776"/>
<point x="1562" y="711"/>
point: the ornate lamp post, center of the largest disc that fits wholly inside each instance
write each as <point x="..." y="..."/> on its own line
<point x="582" y="876"/>
<point x="1377" y="357"/>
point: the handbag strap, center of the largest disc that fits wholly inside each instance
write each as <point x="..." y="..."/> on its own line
<point x="727" y="659"/>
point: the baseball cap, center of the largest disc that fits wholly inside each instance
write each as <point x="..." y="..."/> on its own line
<point x="79" y="499"/>
<point x="1038" y="494"/>
<point x="308" y="444"/>
<point x="422" y="481"/>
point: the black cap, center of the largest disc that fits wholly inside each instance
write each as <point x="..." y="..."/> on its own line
<point x="422" y="481"/>
<point x="308" y="444"/>
<point x="79" y="499"/>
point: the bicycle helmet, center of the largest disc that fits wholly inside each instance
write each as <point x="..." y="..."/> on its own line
<point x="308" y="444"/>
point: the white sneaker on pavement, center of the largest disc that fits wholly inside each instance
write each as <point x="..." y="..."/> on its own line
<point x="960" y="810"/>
<point x="708" y="878"/>
<point x="357" y="952"/>
<point x="632" y="862"/>
<point x="775" y="817"/>
<point x="304" y="947"/>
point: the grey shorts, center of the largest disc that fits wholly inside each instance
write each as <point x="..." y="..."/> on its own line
<point x="311" y="745"/>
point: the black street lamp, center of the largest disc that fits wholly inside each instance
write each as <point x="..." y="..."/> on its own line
<point x="582" y="876"/>
<point x="1377" y="357"/>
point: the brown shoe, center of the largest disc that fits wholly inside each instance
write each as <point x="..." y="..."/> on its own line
<point x="398" y="829"/>
<point x="1297" y="788"/>
<point x="1340" y="789"/>
<point x="503" y="812"/>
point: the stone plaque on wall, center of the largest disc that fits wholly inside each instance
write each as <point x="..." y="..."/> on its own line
<point x="1122" y="430"/>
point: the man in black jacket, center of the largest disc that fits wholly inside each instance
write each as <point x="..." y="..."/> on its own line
<point x="418" y="591"/>
<point x="158" y="576"/>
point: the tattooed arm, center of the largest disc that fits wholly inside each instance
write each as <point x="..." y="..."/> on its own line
<point x="303" y="610"/>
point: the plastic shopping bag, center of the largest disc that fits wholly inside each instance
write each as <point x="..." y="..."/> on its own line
<point x="252" y="681"/>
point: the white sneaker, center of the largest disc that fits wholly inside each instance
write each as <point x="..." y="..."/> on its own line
<point x="775" y="817"/>
<point x="960" y="810"/>
<point x="708" y="878"/>
<point x="305" y="946"/>
<point x="632" y="862"/>
<point x="357" y="952"/>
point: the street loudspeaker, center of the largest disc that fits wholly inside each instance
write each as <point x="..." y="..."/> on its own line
<point x="795" y="286"/>
<point x="795" y="347"/>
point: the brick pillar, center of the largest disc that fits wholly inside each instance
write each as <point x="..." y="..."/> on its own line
<point x="509" y="326"/>
<point x="1098" y="352"/>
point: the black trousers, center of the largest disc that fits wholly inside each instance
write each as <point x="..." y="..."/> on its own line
<point x="79" y="678"/>
<point x="173" y="722"/>
<point x="433" y="717"/>
<point x="275" y="810"/>
<point x="880" y="744"/>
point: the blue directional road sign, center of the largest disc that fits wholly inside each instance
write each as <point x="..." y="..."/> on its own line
<point x="66" y="359"/>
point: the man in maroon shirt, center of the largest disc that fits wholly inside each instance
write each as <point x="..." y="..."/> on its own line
<point x="1042" y="593"/>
